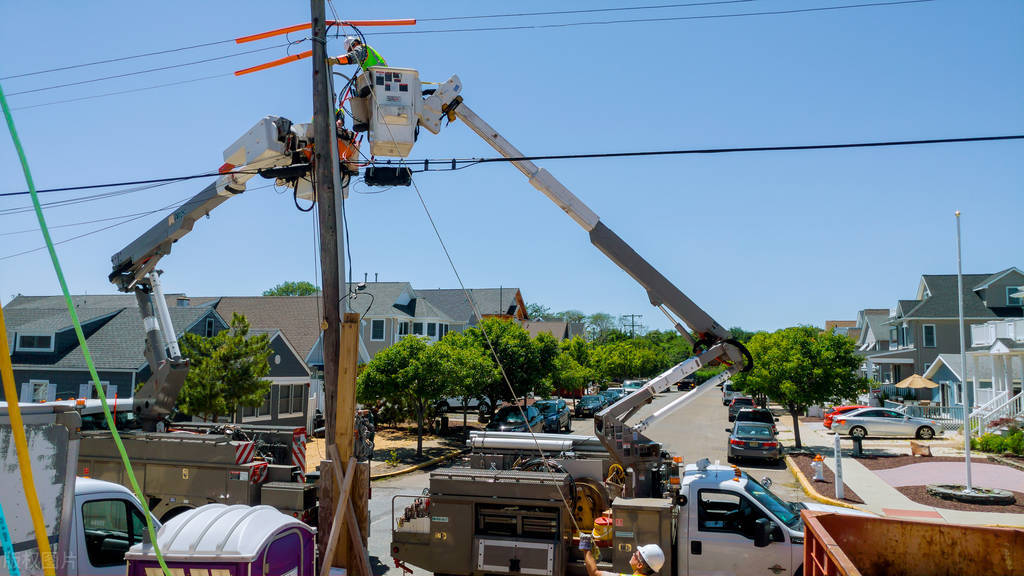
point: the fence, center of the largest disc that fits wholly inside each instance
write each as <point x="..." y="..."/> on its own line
<point x="951" y="418"/>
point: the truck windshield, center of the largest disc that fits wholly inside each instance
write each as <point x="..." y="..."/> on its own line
<point x="777" y="506"/>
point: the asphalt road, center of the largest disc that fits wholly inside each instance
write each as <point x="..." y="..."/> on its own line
<point x="695" y="431"/>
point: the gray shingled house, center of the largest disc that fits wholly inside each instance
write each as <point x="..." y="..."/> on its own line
<point x="922" y="328"/>
<point x="49" y="364"/>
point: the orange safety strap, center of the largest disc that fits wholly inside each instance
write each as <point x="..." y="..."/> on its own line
<point x="273" y="63"/>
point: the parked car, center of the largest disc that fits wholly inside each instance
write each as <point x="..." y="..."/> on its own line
<point x="556" y="415"/>
<point x="837" y="410"/>
<point x="762" y="415"/>
<point x="510" y="419"/>
<point x="879" y="422"/>
<point x="754" y="440"/>
<point x="738" y="403"/>
<point x="480" y="405"/>
<point x="630" y="385"/>
<point x="590" y="405"/>
<point x="614" y="394"/>
<point x="685" y="384"/>
<point x="729" y="392"/>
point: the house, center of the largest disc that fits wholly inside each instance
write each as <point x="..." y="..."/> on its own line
<point x="923" y="328"/>
<point x="998" y="347"/>
<point x="506" y="303"/>
<point x="49" y="364"/>
<point x="873" y="336"/>
<point x="848" y="328"/>
<point x="559" y="329"/>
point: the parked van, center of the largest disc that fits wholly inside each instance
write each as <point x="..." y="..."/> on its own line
<point x="728" y="393"/>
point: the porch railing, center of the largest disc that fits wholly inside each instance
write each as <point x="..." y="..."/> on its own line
<point x="980" y="416"/>
<point x="1013" y="408"/>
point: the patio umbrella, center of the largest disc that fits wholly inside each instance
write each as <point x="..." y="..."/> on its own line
<point x="916" y="381"/>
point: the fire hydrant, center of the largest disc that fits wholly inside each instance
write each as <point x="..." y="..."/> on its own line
<point x="818" y="465"/>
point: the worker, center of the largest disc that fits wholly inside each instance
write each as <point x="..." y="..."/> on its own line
<point x="366" y="57"/>
<point x="348" y="146"/>
<point x="645" y="561"/>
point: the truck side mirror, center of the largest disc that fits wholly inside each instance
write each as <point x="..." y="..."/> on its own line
<point x="763" y="528"/>
<point x="729" y="430"/>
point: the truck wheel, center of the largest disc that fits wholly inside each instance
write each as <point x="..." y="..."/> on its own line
<point x="173" y="512"/>
<point x="568" y="426"/>
<point x="858" y="432"/>
<point x="925" y="433"/>
<point x="443" y="407"/>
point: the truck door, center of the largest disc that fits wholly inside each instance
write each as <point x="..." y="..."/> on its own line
<point x="722" y="538"/>
<point x="106" y="526"/>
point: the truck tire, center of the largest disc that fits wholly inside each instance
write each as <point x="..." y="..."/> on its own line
<point x="443" y="407"/>
<point x="858" y="432"/>
<point x="925" y="433"/>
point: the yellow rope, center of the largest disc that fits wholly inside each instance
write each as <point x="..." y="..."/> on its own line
<point x="21" y="445"/>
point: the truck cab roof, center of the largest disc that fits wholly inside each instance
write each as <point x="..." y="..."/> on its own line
<point x="715" y="474"/>
<point x="85" y="486"/>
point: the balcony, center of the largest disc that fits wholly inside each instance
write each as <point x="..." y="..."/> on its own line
<point x="986" y="334"/>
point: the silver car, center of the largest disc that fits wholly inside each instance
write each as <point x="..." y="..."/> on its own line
<point x="879" y="422"/>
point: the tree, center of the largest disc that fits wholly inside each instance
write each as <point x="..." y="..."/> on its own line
<point x="300" y="288"/>
<point x="740" y="334"/>
<point x="226" y="371"/>
<point x="572" y="316"/>
<point x="801" y="366"/>
<point x="538" y="311"/>
<point x="468" y="369"/>
<point x="628" y="359"/>
<point x="527" y="363"/>
<point x="598" y="324"/>
<point x="397" y="376"/>
<point x="672" y="344"/>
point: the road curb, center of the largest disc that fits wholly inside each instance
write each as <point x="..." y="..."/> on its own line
<point x="419" y="466"/>
<point x="1005" y="461"/>
<point x="812" y="492"/>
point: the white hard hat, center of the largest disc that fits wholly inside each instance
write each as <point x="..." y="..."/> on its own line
<point x="652" y="555"/>
<point x="349" y="41"/>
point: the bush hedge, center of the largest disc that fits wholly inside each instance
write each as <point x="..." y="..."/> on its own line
<point x="1012" y="443"/>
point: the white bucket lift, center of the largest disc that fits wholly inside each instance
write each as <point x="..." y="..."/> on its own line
<point x="394" y="110"/>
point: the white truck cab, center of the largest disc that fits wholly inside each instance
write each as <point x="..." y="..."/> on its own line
<point x="721" y="512"/>
<point x="107" y="521"/>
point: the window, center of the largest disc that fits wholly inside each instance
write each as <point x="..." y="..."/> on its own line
<point x="432" y="330"/>
<point x="927" y="365"/>
<point x="893" y="338"/>
<point x="284" y="399"/>
<point x="298" y="397"/>
<point x="403" y="328"/>
<point x="258" y="411"/>
<point x="417" y="328"/>
<point x="35" y="343"/>
<point x="929" y="336"/>
<point x="1010" y="300"/>
<point x="720" y="511"/>
<point x="209" y="328"/>
<point x="111" y="528"/>
<point x="442" y="330"/>
<point x="376" y="330"/>
<point x="908" y="335"/>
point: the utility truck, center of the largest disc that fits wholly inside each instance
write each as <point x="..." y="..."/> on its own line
<point x="89" y="523"/>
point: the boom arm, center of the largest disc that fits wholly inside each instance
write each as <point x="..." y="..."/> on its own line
<point x="272" y="148"/>
<point x="626" y="444"/>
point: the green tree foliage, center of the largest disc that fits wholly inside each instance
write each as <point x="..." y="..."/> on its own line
<point x="226" y="371"/>
<point x="527" y="363"/>
<point x="300" y="288"/>
<point x="672" y="344"/>
<point x="598" y="325"/>
<point x="801" y="366"/>
<point x="538" y="312"/>
<point x="571" y="316"/>
<point x="397" y="376"/>
<point x="628" y="358"/>
<point x="469" y="371"/>
<point x="740" y="334"/>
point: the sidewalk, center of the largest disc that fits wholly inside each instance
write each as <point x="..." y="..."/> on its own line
<point x="881" y="496"/>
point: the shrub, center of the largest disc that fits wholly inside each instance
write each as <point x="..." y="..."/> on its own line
<point x="1014" y="443"/>
<point x="989" y="443"/>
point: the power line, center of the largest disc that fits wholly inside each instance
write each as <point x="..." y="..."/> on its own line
<point x="149" y="70"/>
<point x="130" y="183"/>
<point x="143" y="89"/>
<point x="661" y="19"/>
<point x="121" y="59"/>
<point x="583" y="11"/>
<point x="453" y="162"/>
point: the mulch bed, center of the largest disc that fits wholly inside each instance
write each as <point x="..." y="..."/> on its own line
<point x="826" y="488"/>
<point x="920" y="495"/>
<point x="886" y="461"/>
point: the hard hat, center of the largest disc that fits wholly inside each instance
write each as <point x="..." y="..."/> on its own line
<point x="652" y="555"/>
<point x="349" y="41"/>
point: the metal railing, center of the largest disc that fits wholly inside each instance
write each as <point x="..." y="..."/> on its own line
<point x="980" y="416"/>
<point x="1013" y="408"/>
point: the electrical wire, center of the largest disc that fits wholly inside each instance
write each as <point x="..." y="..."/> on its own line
<point x="130" y="183"/>
<point x="583" y="11"/>
<point x="647" y="20"/>
<point x="121" y="59"/>
<point x="129" y="91"/>
<point x="149" y="70"/>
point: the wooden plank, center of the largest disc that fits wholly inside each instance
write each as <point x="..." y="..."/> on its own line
<point x="345" y="410"/>
<point x="339" y="512"/>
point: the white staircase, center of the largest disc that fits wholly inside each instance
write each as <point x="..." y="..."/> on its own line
<point x="1001" y="406"/>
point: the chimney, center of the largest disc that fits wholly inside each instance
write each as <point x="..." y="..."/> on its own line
<point x="365" y="277"/>
<point x="375" y="277"/>
<point x="183" y="301"/>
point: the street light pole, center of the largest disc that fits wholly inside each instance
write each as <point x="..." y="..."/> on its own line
<point x="963" y="359"/>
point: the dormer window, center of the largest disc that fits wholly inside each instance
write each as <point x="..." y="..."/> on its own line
<point x="35" y="342"/>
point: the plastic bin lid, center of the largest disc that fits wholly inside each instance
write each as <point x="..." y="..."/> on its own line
<point x="218" y="532"/>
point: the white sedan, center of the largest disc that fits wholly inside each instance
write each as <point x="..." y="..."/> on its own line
<point x="878" y="422"/>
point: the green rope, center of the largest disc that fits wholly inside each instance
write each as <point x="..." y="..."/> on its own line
<point x="78" y="330"/>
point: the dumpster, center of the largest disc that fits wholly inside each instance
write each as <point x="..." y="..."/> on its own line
<point x="841" y="545"/>
<point x="221" y="540"/>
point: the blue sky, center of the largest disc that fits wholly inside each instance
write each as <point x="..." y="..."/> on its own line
<point x="759" y="240"/>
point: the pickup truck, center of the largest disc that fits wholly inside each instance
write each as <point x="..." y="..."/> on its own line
<point x="716" y="520"/>
<point x="90" y="523"/>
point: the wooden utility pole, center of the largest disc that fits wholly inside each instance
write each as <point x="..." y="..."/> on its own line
<point x="324" y="132"/>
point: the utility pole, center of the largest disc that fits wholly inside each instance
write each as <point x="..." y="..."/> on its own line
<point x="632" y="323"/>
<point x="330" y="255"/>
